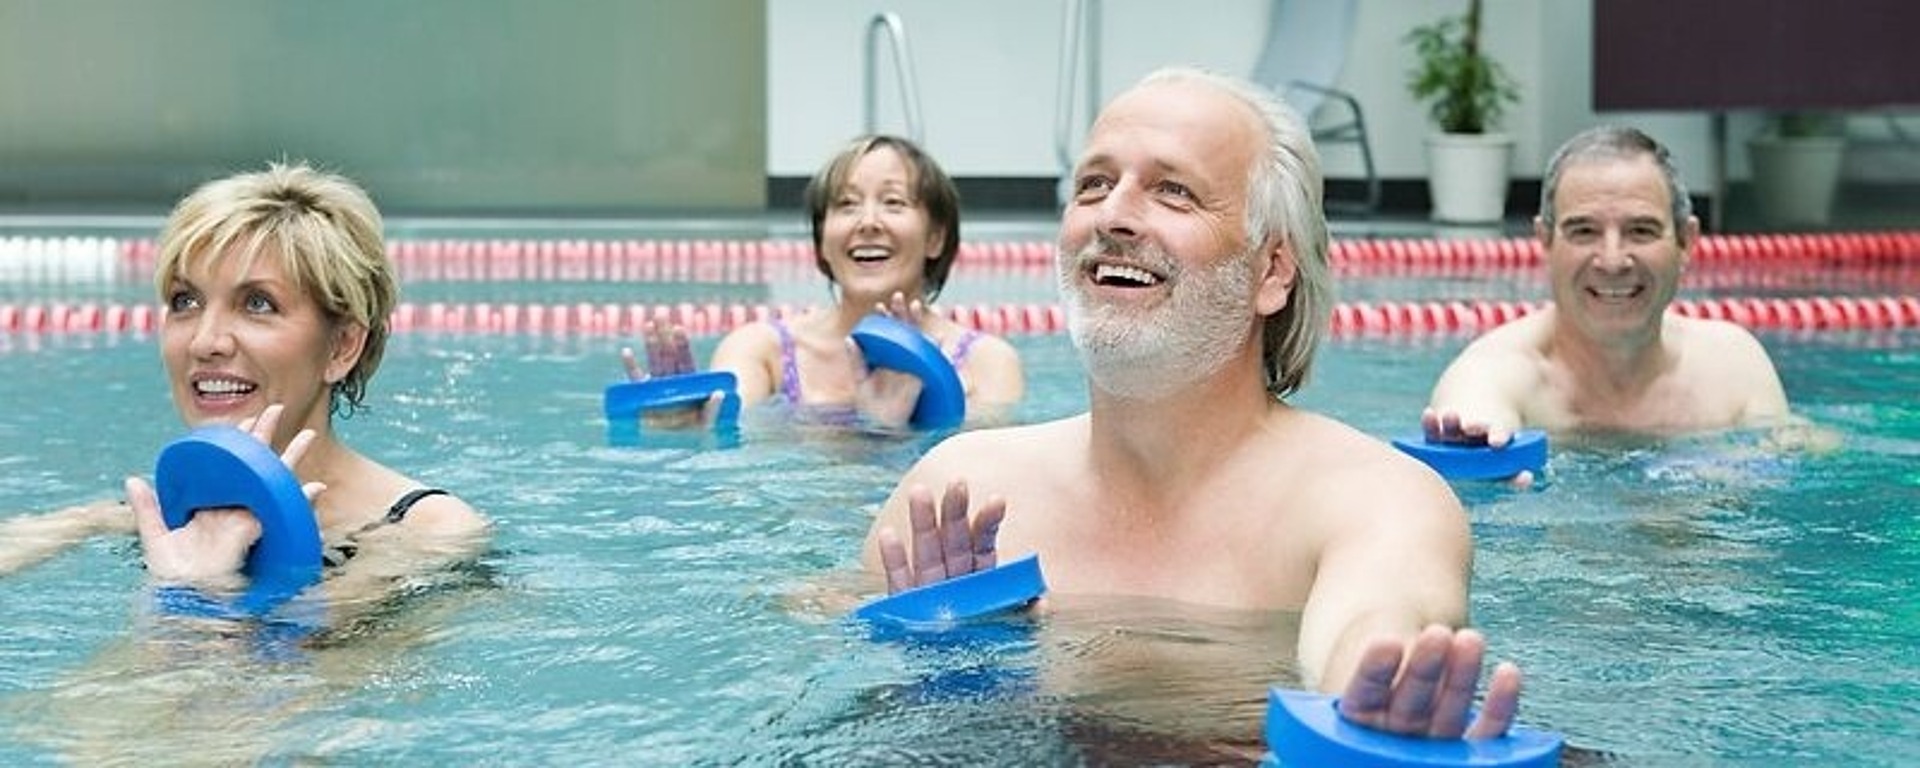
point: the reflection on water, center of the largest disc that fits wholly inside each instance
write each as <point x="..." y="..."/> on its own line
<point x="1082" y="680"/>
<point x="1168" y="673"/>
<point x="178" y="687"/>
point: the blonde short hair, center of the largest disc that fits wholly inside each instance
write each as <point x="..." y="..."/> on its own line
<point x="324" y="229"/>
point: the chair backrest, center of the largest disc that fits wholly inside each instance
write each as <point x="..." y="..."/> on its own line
<point x="1307" y="41"/>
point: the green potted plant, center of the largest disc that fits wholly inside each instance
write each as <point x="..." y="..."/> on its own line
<point x="1796" y="162"/>
<point x="1466" y="92"/>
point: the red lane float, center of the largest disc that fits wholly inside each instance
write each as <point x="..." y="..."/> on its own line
<point x="1384" y="318"/>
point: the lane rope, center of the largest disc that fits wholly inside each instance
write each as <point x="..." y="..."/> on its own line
<point x="105" y="259"/>
<point x="1381" y="318"/>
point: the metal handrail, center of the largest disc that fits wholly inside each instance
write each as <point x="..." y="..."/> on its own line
<point x="895" y="33"/>
<point x="1077" y="20"/>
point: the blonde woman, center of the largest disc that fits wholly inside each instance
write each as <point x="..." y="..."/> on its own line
<point x="276" y="289"/>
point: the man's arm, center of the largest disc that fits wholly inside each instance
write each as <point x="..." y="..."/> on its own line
<point x="1399" y="560"/>
<point x="1382" y="626"/>
<point x="1766" y="398"/>
<point x="1480" y="397"/>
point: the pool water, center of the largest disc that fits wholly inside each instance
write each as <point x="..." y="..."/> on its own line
<point x="1704" y="601"/>
<point x="1709" y="601"/>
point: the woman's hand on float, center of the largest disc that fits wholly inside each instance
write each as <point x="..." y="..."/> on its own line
<point x="899" y="308"/>
<point x="212" y="545"/>
<point x="945" y="542"/>
<point x="888" y="397"/>
<point x="214" y="542"/>
<point x="884" y="397"/>
<point x="1424" y="687"/>
<point x="669" y="353"/>
<point x="263" y="428"/>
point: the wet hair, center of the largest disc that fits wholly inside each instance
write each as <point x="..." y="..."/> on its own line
<point x="932" y="190"/>
<point x="322" y="227"/>
<point x="1616" y="142"/>
<point x="1284" y="195"/>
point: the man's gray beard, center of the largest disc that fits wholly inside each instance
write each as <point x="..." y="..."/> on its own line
<point x="1155" y="354"/>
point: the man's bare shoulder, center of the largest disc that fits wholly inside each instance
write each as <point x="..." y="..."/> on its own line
<point x="1508" y="358"/>
<point x="1710" y="334"/>
<point x="1725" y="363"/>
<point x="1525" y="336"/>
<point x="1724" y="350"/>
<point x="979" y="450"/>
<point x="1358" y="475"/>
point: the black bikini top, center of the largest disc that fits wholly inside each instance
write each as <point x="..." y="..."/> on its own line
<point x="337" y="555"/>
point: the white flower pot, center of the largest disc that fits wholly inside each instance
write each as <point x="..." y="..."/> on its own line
<point x="1794" y="179"/>
<point x="1467" y="176"/>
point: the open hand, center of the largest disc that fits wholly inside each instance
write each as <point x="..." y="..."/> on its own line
<point x="1451" y="427"/>
<point x="899" y="308"/>
<point x="1429" y="693"/>
<point x="946" y="542"/>
<point x="669" y="352"/>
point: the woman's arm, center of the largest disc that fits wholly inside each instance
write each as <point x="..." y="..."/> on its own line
<point x="995" y="380"/>
<point x="29" y="539"/>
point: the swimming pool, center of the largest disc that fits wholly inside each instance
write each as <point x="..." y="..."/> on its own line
<point x="1673" y="604"/>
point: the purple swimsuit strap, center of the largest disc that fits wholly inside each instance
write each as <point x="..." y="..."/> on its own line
<point x="789" y="361"/>
<point x="958" y="354"/>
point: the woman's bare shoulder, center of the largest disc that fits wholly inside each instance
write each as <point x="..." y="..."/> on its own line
<point x="427" y="508"/>
<point x="446" y="513"/>
<point x="756" y="337"/>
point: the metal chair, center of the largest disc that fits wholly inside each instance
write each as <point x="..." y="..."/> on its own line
<point x="1306" y="45"/>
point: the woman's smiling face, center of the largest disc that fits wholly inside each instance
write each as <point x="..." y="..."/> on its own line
<point x="876" y="236"/>
<point x="239" y="336"/>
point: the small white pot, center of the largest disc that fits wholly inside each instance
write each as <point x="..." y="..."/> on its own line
<point x="1795" y="179"/>
<point x="1467" y="176"/>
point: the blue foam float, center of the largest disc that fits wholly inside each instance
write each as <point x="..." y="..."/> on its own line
<point x="1306" y="729"/>
<point x="1526" y="452"/>
<point x="218" y="467"/>
<point x="625" y="401"/>
<point x="947" y="604"/>
<point x="628" y="399"/>
<point x="898" y="346"/>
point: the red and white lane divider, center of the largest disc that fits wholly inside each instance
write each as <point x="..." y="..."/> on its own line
<point x="1408" y="318"/>
<point x="45" y="260"/>
<point x="714" y="260"/>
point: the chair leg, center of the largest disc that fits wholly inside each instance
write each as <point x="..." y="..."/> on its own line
<point x="1366" y="162"/>
<point x="1354" y="132"/>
